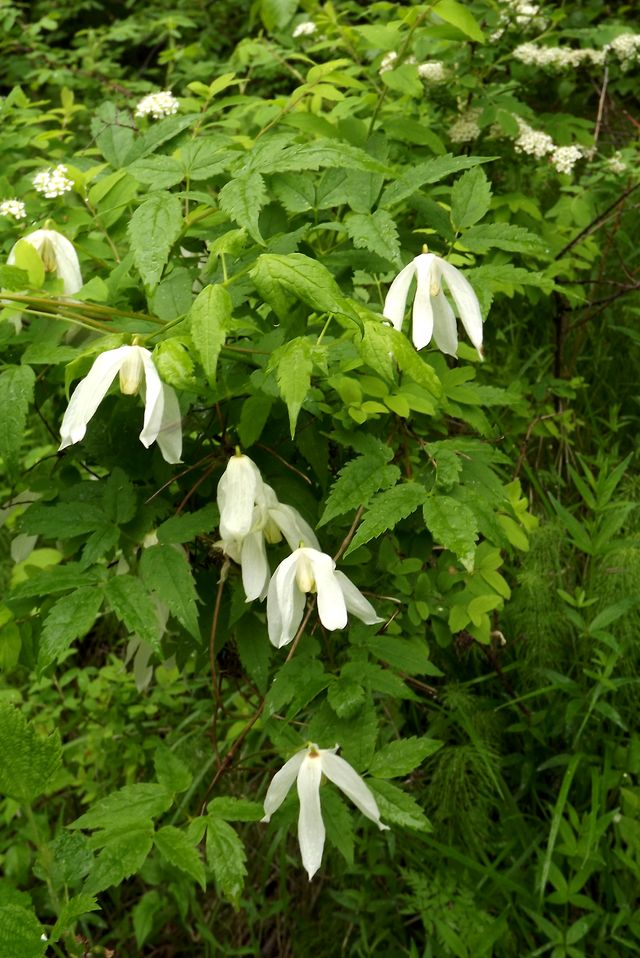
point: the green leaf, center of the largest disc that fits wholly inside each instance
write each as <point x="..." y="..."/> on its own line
<point x="13" y="279"/>
<point x="166" y="570"/>
<point x="178" y="850"/>
<point x="387" y="510"/>
<point x="407" y="655"/>
<point x="276" y="14"/>
<point x="338" y="821"/>
<point x="210" y="321"/>
<point x="70" y="618"/>
<point x="122" y="856"/>
<point x="242" y="198"/>
<point x="430" y="171"/>
<point x="119" y="498"/>
<point x="401" y="757"/>
<point x="171" y="772"/>
<point x="27" y="258"/>
<point x="460" y="17"/>
<point x="16" y="393"/>
<point x="226" y="856"/>
<point x="132" y="806"/>
<point x="376" y="232"/>
<point x="452" y="525"/>
<point x="130" y="601"/>
<point x="235" y="809"/>
<point x="144" y="913"/>
<point x="28" y="760"/>
<point x="186" y="527"/>
<point x="303" y="277"/>
<point x="70" y="912"/>
<point x="411" y="363"/>
<point x="153" y="229"/>
<point x="324" y="153"/>
<point x="346" y="697"/>
<point x="160" y="172"/>
<point x="60" y="521"/>
<point x="293" y="364"/>
<point x="20" y="933"/>
<point x="470" y="198"/>
<point x="514" y="239"/>
<point x="357" y="481"/>
<point x="398" y="808"/>
<point x="356" y="735"/>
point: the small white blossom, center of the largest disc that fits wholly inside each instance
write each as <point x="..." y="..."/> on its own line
<point x="388" y="61"/>
<point x="58" y="256"/>
<point x="138" y="375"/>
<point x="14" y="208"/>
<point x="306" y="768"/>
<point x="53" y="181"/>
<point x="564" y="158"/>
<point x="432" y="314"/>
<point x="558" y="58"/>
<point x="160" y="104"/>
<point x="432" y="71"/>
<point x="309" y="570"/>
<point x="626" y="48"/>
<point x="534" y="142"/>
<point x="616" y="164"/>
<point x="466" y="127"/>
<point x="304" y="29"/>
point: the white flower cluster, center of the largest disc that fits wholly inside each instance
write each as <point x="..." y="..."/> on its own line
<point x="521" y="14"/>
<point x="534" y="142"/>
<point x="304" y="29"/>
<point x="564" y="158"/>
<point x="14" y="208"/>
<point x="616" y="164"/>
<point x="53" y="181"/>
<point x="466" y="127"/>
<point x="160" y="104"/>
<point x="432" y="71"/>
<point x="626" y="48"/>
<point x="388" y="61"/>
<point x="558" y="58"/>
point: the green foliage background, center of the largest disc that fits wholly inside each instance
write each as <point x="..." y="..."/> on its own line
<point x="487" y="509"/>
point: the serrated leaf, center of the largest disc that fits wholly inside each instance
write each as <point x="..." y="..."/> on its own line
<point x="356" y="737"/>
<point x="13" y="279"/>
<point x="16" y="394"/>
<point x="293" y="363"/>
<point x="407" y="655"/>
<point x="430" y="171"/>
<point x="122" y="856"/>
<point x="452" y="525"/>
<point x="398" y="758"/>
<point x="226" y="856"/>
<point x="20" y="933"/>
<point x="210" y="321"/>
<point x="376" y="232"/>
<point x="165" y="570"/>
<point x="160" y="172"/>
<point x="397" y="807"/>
<point x="387" y="510"/>
<point x="357" y="481"/>
<point x="325" y="153"/>
<point x="470" y="198"/>
<point x="178" y="850"/>
<point x="153" y="229"/>
<point x="61" y="521"/>
<point x="132" y="806"/>
<point x="503" y="236"/>
<point x="131" y="603"/>
<point x="338" y="821"/>
<point x="28" y="760"/>
<point x="61" y="578"/>
<point x="412" y="364"/>
<point x="235" y="809"/>
<point x="70" y="618"/>
<point x="70" y="911"/>
<point x="242" y="198"/>
<point x="171" y="772"/>
<point x="304" y="278"/>
<point x="346" y="697"/>
<point x="186" y="527"/>
<point x="460" y="17"/>
<point x="375" y="349"/>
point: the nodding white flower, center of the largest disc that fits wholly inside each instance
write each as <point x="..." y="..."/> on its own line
<point x="53" y="181"/>
<point x="58" y="256"/>
<point x="307" y="768"/>
<point x="250" y="517"/>
<point x="309" y="570"/>
<point x="13" y="208"/>
<point x="138" y="375"/>
<point x="432" y="314"/>
<point x="160" y="104"/>
<point x="304" y="29"/>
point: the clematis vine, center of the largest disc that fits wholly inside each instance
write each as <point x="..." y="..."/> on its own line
<point x="58" y="256"/>
<point x="138" y="375"/>
<point x="307" y="768"/>
<point x="432" y="312"/>
<point x="309" y="570"/>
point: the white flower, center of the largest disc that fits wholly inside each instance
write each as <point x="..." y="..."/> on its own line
<point x="138" y="374"/>
<point x="387" y="62"/>
<point x="309" y="570"/>
<point x="236" y="494"/>
<point x="432" y="71"/>
<point x="616" y="164"/>
<point x="304" y="29"/>
<point x="564" y="158"/>
<point x="58" y="256"/>
<point x="432" y="314"/>
<point x="162" y="103"/>
<point x="307" y="767"/>
<point x="534" y="142"/>
<point x="53" y="181"/>
<point x="466" y="127"/>
<point x="14" y="208"/>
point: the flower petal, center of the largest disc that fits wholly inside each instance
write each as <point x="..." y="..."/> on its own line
<point x="170" y="433"/>
<point x="68" y="267"/>
<point x="396" y="299"/>
<point x="255" y="567"/>
<point x="281" y="783"/>
<point x="310" y="825"/>
<point x="466" y="302"/>
<point x="331" y="604"/>
<point x="422" y="328"/>
<point x="348" y="781"/>
<point x="236" y="494"/>
<point x="153" y="395"/>
<point x="355" y="601"/>
<point x="89" y="393"/>
<point x="293" y="527"/>
<point x="285" y="602"/>
<point x="445" y="333"/>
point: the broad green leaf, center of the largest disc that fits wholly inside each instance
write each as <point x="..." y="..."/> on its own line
<point x="325" y="153"/>
<point x="346" y="697"/>
<point x="122" y="856"/>
<point x="132" y="806"/>
<point x="226" y="857"/>
<point x="470" y="198"/>
<point x="516" y="239"/>
<point x="26" y="258"/>
<point x="13" y="279"/>
<point x="70" y="618"/>
<point x="178" y="850"/>
<point x="242" y="198"/>
<point x="303" y="277"/>
<point x="293" y="364"/>
<point x="430" y="171"/>
<point x="61" y="521"/>
<point x="356" y="735"/>
<point x="28" y="760"/>
<point x="411" y="363"/>
<point x="20" y="933"/>
<point x="386" y="510"/>
<point x="460" y="17"/>
<point x="153" y="229"/>
<point x="210" y="321"/>
<point x="452" y="525"/>
<point x="119" y="497"/>
<point x="159" y="172"/>
<point x="235" y="809"/>
<point x="356" y="483"/>
<point x="144" y="913"/>
<point x="16" y="393"/>
<point x="185" y="527"/>
<point x="397" y="807"/>
<point x="131" y="603"/>
<point x="404" y="79"/>
<point x="338" y="821"/>
<point x="401" y="757"/>
<point x="376" y="232"/>
<point x="166" y="570"/>
<point x="70" y="912"/>
<point x="171" y="772"/>
<point x="254" y="656"/>
<point x="406" y="655"/>
<point x="276" y="14"/>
